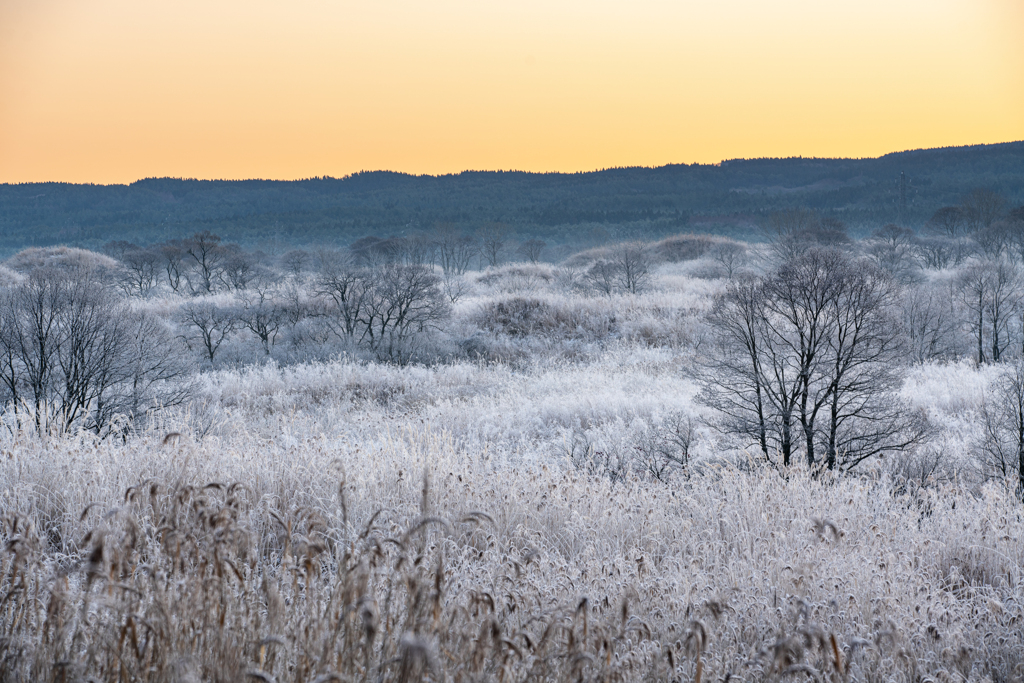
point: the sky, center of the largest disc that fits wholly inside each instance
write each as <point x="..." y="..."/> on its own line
<point x="110" y="91"/>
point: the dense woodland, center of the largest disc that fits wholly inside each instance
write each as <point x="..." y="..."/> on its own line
<point x="576" y="210"/>
<point x="472" y="451"/>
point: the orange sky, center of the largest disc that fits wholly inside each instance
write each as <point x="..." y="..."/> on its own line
<point x="115" y="90"/>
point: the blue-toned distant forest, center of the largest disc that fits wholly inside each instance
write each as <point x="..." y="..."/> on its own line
<point x="577" y="210"/>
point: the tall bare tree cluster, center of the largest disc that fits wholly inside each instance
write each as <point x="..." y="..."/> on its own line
<point x="806" y="362"/>
<point x="627" y="268"/>
<point x="73" y="354"/>
<point x="383" y="308"/>
<point x="197" y="265"/>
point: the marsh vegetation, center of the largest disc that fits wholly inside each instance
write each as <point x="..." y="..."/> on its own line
<point x="442" y="457"/>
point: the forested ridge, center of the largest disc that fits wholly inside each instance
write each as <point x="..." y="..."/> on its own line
<point x="730" y="198"/>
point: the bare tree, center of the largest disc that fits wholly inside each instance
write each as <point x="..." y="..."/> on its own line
<point x="419" y="250"/>
<point x="206" y="326"/>
<point x="30" y="339"/>
<point x="372" y="251"/>
<point x="531" y="249"/>
<point x="455" y="251"/>
<point x="262" y="314"/>
<point x="633" y="266"/>
<point x="116" y="248"/>
<point x="153" y="373"/>
<point x="730" y="256"/>
<point x="206" y="257"/>
<point x="344" y="285"/>
<point x="931" y="322"/>
<point x="174" y="265"/>
<point x="76" y="354"/>
<point x="1003" y="420"/>
<point x="295" y="261"/>
<point x="454" y="286"/>
<point x="799" y="303"/>
<point x="793" y="231"/>
<point x="139" y="274"/>
<point x="735" y="375"/>
<point x="861" y="378"/>
<point x="949" y="221"/>
<point x="939" y="252"/>
<point x="989" y="293"/>
<point x="786" y="231"/>
<point x="384" y="307"/>
<point x="893" y="249"/>
<point x="401" y="302"/>
<point x="602" y="276"/>
<point x="810" y="351"/>
<point x="493" y="239"/>
<point x="240" y="268"/>
<point x="994" y="240"/>
<point x="981" y="208"/>
<point x="1013" y="228"/>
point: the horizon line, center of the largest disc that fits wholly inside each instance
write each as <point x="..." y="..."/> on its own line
<point x="513" y="171"/>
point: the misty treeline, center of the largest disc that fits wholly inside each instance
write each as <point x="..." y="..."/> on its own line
<point x="646" y="203"/>
<point x="800" y="350"/>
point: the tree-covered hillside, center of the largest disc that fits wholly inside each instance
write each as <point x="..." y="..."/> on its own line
<point x="731" y="197"/>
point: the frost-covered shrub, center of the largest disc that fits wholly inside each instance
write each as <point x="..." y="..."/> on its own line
<point x="518" y="277"/>
<point x="527" y="316"/>
<point x="493" y="348"/>
<point x="62" y="258"/>
<point x="658" y="447"/>
<point x="9" y="277"/>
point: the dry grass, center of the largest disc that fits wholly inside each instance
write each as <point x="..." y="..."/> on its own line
<point x="238" y="558"/>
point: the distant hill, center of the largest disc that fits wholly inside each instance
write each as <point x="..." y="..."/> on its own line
<point x="730" y="198"/>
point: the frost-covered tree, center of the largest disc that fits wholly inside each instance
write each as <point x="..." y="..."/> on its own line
<point x="633" y="266"/>
<point x="206" y="256"/>
<point x="930" y="321"/>
<point x="400" y="302"/>
<point x="1003" y="420"/>
<point x="205" y="326"/>
<point x="75" y="354"/>
<point x="341" y="285"/>
<point x="989" y="295"/>
<point x="807" y="359"/>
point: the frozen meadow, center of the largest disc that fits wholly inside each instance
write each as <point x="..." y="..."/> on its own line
<point x="507" y="514"/>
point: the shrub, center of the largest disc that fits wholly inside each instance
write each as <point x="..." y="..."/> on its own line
<point x="525" y="316"/>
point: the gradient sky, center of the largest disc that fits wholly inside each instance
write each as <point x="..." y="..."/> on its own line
<point x="115" y="90"/>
